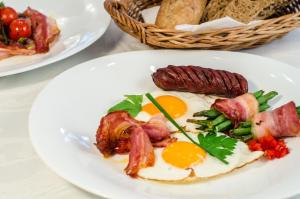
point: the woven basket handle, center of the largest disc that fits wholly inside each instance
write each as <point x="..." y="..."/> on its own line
<point x="119" y="10"/>
<point x="118" y="4"/>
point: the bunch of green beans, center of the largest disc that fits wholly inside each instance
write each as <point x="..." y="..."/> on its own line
<point x="217" y="122"/>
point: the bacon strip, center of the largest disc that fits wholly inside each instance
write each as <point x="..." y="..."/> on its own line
<point x="141" y="154"/>
<point x="156" y="128"/>
<point x="112" y="129"/>
<point x="119" y="133"/>
<point x="281" y="122"/>
<point x="238" y="109"/>
<point x="165" y="142"/>
<point x="113" y="136"/>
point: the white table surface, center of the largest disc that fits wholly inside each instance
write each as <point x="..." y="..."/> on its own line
<point x="22" y="174"/>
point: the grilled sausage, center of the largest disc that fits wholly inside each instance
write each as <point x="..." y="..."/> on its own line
<point x="196" y="79"/>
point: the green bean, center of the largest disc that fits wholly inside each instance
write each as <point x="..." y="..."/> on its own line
<point x="212" y="113"/>
<point x="218" y="120"/>
<point x="200" y="122"/>
<point x="223" y="126"/>
<point x="298" y="110"/>
<point x="202" y="128"/>
<point x="245" y="124"/>
<point x="265" y="98"/>
<point x="264" y="107"/>
<point x="246" y="138"/>
<point x="242" y="131"/>
<point x="259" y="93"/>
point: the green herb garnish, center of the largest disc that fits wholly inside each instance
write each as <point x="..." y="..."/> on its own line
<point x="22" y="40"/>
<point x="132" y="104"/>
<point x="3" y="31"/>
<point x="219" y="146"/>
<point x="2" y="5"/>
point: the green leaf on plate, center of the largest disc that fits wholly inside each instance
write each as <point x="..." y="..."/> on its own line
<point x="219" y="146"/>
<point x="132" y="104"/>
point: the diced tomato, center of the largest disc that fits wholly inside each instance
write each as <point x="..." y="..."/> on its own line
<point x="272" y="148"/>
<point x="254" y="145"/>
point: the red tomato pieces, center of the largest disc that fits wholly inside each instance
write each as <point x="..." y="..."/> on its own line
<point x="272" y="147"/>
<point x="7" y="15"/>
<point x="19" y="28"/>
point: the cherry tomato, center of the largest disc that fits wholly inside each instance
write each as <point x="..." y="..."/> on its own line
<point x="7" y="15"/>
<point x="19" y="28"/>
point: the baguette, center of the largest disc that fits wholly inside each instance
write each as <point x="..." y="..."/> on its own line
<point x="176" y="12"/>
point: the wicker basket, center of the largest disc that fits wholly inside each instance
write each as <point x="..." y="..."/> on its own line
<point x="127" y="15"/>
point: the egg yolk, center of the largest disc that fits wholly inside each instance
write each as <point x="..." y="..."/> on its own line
<point x="183" y="154"/>
<point x="173" y="105"/>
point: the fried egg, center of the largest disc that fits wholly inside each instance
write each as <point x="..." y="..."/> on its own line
<point x="180" y="106"/>
<point x="183" y="160"/>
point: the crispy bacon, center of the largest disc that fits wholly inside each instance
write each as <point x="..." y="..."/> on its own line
<point x="281" y="122"/>
<point x="165" y="142"/>
<point x="141" y="153"/>
<point x="112" y="135"/>
<point x="156" y="128"/>
<point x="119" y="133"/>
<point x="45" y="29"/>
<point x="238" y="109"/>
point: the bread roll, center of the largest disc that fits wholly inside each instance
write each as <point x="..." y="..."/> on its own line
<point x="249" y="10"/>
<point x="176" y="12"/>
<point x="213" y="7"/>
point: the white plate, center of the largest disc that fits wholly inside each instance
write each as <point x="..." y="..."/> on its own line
<point x="81" y="23"/>
<point x="65" y="116"/>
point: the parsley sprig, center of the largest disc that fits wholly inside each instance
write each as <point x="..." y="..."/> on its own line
<point x="219" y="146"/>
<point x="132" y="104"/>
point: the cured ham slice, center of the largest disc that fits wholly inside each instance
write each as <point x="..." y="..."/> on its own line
<point x="281" y="122"/>
<point x="238" y="109"/>
<point x="44" y="33"/>
<point x="141" y="153"/>
<point x="14" y="49"/>
<point x="44" y="29"/>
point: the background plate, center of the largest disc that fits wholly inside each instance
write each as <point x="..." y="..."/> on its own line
<point x="66" y="114"/>
<point x="81" y="23"/>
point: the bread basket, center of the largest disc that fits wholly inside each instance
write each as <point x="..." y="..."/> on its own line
<point x="127" y="15"/>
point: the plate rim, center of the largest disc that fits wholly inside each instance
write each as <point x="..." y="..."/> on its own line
<point x="76" y="67"/>
<point x="68" y="54"/>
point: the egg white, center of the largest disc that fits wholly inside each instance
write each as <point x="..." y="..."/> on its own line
<point x="162" y="171"/>
<point x="194" y="102"/>
<point x="210" y="167"/>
